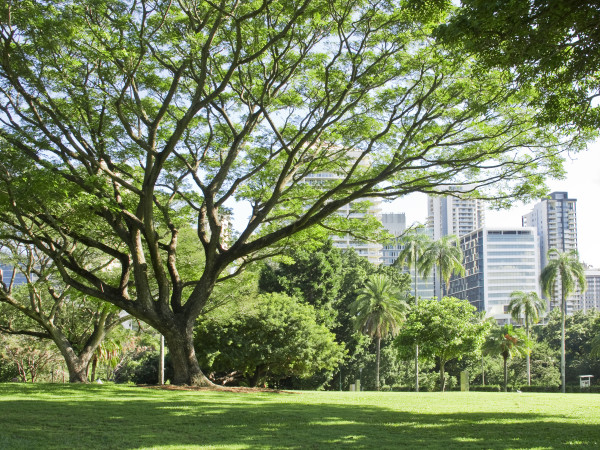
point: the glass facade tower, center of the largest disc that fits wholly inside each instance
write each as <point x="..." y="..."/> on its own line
<point x="498" y="261"/>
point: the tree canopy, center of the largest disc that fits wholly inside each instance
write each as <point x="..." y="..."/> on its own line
<point x="271" y="338"/>
<point x="551" y="46"/>
<point x="445" y="329"/>
<point x="123" y="121"/>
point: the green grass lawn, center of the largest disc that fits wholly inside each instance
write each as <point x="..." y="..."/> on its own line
<point x="108" y="416"/>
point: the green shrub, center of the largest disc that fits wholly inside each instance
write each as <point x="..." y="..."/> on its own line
<point x="486" y="388"/>
<point x="143" y="369"/>
<point x="8" y="370"/>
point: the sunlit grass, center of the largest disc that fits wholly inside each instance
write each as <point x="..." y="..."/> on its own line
<point x="108" y="416"/>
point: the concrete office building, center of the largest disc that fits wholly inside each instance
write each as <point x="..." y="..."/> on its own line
<point x="555" y="221"/>
<point x="498" y="261"/>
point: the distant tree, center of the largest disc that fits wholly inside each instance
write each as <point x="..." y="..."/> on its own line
<point x="445" y="255"/>
<point x="32" y="356"/>
<point x="595" y="343"/>
<point x="378" y="312"/>
<point x="269" y="338"/>
<point x="47" y="308"/>
<point x="526" y="307"/>
<point x="580" y="329"/>
<point x="313" y="275"/>
<point x="563" y="269"/>
<point x="445" y="329"/>
<point x="507" y="342"/>
<point x="413" y="245"/>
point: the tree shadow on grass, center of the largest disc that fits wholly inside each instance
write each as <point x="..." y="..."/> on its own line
<point x="134" y="420"/>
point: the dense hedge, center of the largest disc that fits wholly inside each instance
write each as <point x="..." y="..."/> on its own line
<point x="569" y="388"/>
<point x="143" y="369"/>
<point x="486" y="388"/>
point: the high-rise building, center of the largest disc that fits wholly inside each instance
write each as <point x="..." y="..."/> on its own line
<point x="369" y="250"/>
<point x="497" y="261"/>
<point x="455" y="215"/>
<point x="590" y="299"/>
<point x="555" y="221"/>
<point x="9" y="275"/>
<point x="395" y="224"/>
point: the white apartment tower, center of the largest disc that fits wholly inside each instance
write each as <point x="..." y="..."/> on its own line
<point x="369" y="250"/>
<point x="454" y="215"/>
<point x="590" y="299"/>
<point x="555" y="220"/>
<point x="395" y="224"/>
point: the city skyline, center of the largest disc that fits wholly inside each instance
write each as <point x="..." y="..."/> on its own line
<point x="582" y="182"/>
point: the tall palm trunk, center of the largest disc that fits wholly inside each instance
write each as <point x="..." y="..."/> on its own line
<point x="528" y="352"/>
<point x="562" y="343"/>
<point x="377" y="362"/>
<point x="416" y="345"/>
<point x="505" y="356"/>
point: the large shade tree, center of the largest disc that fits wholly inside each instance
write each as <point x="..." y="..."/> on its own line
<point x="527" y="307"/>
<point x="379" y="312"/>
<point x="413" y="243"/>
<point x="268" y="339"/>
<point x="563" y="272"/>
<point x="123" y="121"/>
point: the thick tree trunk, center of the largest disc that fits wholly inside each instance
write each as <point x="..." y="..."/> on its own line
<point x="78" y="369"/>
<point x="77" y="364"/>
<point x="186" y="370"/>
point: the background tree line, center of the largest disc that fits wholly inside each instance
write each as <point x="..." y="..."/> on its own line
<point x="292" y="324"/>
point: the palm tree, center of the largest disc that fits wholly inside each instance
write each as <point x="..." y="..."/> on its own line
<point x="378" y="311"/>
<point x="595" y="350"/>
<point x="526" y="306"/>
<point x="563" y="268"/>
<point x="413" y="246"/>
<point x="506" y="342"/>
<point x="446" y="255"/>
